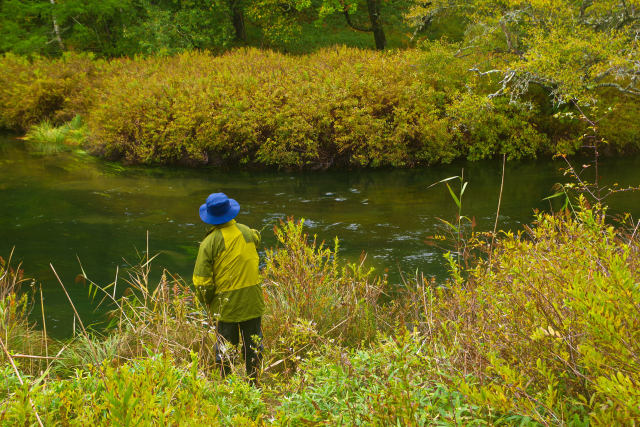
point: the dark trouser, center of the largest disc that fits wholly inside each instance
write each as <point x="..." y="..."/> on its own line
<point x="251" y="333"/>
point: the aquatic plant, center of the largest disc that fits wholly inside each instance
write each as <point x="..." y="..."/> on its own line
<point x="49" y="139"/>
<point x="46" y="138"/>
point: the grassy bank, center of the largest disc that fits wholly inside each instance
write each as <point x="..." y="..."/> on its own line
<point x="339" y="107"/>
<point x="546" y="333"/>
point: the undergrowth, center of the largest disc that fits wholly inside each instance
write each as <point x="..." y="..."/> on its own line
<point x="546" y="333"/>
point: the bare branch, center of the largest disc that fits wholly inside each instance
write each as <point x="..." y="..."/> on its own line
<point x="629" y="90"/>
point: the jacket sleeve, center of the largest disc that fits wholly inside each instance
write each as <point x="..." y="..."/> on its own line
<point x="203" y="273"/>
<point x="256" y="237"/>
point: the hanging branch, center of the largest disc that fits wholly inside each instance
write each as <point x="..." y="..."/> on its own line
<point x="347" y="16"/>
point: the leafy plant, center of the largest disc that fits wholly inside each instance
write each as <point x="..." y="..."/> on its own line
<point x="48" y="139"/>
<point x="313" y="298"/>
<point x="549" y="328"/>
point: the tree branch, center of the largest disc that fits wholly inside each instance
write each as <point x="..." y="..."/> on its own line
<point x="56" y="29"/>
<point x="347" y="16"/>
<point x="353" y="24"/>
<point x="629" y="90"/>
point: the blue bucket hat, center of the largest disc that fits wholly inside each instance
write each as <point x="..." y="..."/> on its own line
<point x="219" y="209"/>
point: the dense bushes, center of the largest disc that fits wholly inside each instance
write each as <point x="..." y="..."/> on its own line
<point x="32" y="91"/>
<point x="551" y="329"/>
<point x="546" y="333"/>
<point x="150" y="391"/>
<point x="336" y="107"/>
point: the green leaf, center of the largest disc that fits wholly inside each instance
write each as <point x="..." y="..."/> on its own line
<point x="443" y="180"/>
<point x="455" y="199"/>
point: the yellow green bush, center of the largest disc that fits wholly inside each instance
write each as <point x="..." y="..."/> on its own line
<point x="38" y="89"/>
<point x="550" y="329"/>
<point x="313" y="298"/>
<point x="338" y="107"/>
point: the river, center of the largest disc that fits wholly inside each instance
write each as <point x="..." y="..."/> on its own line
<point x="69" y="209"/>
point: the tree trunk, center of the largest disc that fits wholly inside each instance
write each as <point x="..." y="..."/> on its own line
<point x="56" y="29"/>
<point x="373" y="6"/>
<point x="237" y="18"/>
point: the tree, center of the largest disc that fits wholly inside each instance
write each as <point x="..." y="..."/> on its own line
<point x="169" y="26"/>
<point x="27" y="27"/>
<point x="576" y="50"/>
<point x="279" y="17"/>
<point x="349" y="9"/>
<point x="375" y="22"/>
<point x="237" y="18"/>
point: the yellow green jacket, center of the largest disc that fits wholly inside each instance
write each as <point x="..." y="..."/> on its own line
<point x="226" y="275"/>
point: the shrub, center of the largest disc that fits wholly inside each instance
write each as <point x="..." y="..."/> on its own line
<point x="312" y="298"/>
<point x="396" y="381"/>
<point x="148" y="391"/>
<point x="550" y="327"/>
<point x="305" y="280"/>
<point x="32" y="91"/>
<point x="338" y="107"/>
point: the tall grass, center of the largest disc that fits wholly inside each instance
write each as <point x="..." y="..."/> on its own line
<point x="18" y="334"/>
<point x="544" y="334"/>
<point x="49" y="139"/>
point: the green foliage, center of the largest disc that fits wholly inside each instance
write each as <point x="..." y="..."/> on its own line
<point x="313" y="298"/>
<point x="168" y="27"/>
<point x="25" y="27"/>
<point x="113" y="28"/>
<point x="48" y="139"/>
<point x="395" y="382"/>
<point x="150" y="391"/>
<point x="550" y="327"/>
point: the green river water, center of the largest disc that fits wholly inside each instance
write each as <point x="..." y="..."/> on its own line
<point x="69" y="207"/>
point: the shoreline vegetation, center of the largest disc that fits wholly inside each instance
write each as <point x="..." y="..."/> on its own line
<point x="336" y="108"/>
<point x="544" y="331"/>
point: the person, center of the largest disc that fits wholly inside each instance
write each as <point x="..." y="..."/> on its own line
<point x="226" y="278"/>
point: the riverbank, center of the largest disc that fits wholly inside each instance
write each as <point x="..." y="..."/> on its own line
<point x="337" y="108"/>
<point x="546" y="332"/>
